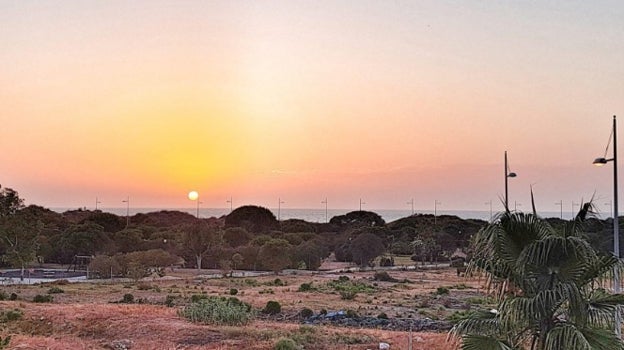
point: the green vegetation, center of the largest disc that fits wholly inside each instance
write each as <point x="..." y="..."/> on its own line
<point x="43" y="298"/>
<point x="272" y="307"/>
<point x="553" y="273"/>
<point x="218" y="311"/>
<point x="286" y="344"/>
<point x="55" y="290"/>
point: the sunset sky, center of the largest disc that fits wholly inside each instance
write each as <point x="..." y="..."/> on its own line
<point x="302" y="100"/>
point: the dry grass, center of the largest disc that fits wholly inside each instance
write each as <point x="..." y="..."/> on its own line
<point x="85" y="317"/>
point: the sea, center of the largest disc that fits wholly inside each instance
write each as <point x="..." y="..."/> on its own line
<point x="320" y="215"/>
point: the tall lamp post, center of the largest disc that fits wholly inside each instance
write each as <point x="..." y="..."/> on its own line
<point x="616" y="234"/>
<point x="325" y="202"/>
<point x="127" y="201"/>
<point x="560" y="204"/>
<point x="435" y="211"/>
<point x="412" y="203"/>
<point x="508" y="174"/>
<point x="279" y="208"/>
<point x="490" y="204"/>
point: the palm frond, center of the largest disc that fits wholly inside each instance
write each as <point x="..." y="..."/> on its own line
<point x="479" y="342"/>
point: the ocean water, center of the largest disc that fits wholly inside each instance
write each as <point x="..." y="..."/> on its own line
<point x="319" y="215"/>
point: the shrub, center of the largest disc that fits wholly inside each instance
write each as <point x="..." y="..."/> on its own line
<point x="384" y="277"/>
<point x="3" y="295"/>
<point x="127" y="299"/>
<point x="382" y="316"/>
<point x="306" y="287"/>
<point x="348" y="294"/>
<point x="11" y="315"/>
<point x="442" y="291"/>
<point x="218" y="311"/>
<point x="343" y="279"/>
<point x="13" y="296"/>
<point x="198" y="297"/>
<point x="352" y="314"/>
<point x="169" y="300"/>
<point x="43" y="298"/>
<point x="272" y="308"/>
<point x="233" y="291"/>
<point x="55" y="290"/>
<point x="286" y="344"/>
<point x="306" y="313"/>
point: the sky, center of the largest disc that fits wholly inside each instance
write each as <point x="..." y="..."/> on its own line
<point x="384" y="101"/>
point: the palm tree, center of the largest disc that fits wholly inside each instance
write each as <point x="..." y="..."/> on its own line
<point x="549" y="286"/>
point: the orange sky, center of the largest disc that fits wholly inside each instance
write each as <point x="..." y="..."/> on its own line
<point x="384" y="101"/>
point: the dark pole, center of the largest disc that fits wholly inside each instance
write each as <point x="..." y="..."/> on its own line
<point x="616" y="226"/>
<point x="506" y="187"/>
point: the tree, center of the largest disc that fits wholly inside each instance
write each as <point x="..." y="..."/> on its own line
<point x="365" y="248"/>
<point x="311" y="253"/>
<point x="10" y="202"/>
<point x="19" y="233"/>
<point x="198" y="239"/>
<point x="275" y="255"/>
<point x="357" y="219"/>
<point x="550" y="297"/>
<point x="236" y="236"/>
<point x="252" y="218"/>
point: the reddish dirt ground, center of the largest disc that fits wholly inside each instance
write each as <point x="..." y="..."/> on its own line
<point x="86" y="315"/>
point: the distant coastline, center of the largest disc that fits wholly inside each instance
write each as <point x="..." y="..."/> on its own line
<point x="318" y="215"/>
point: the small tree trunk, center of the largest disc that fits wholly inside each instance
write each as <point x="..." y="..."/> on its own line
<point x="198" y="258"/>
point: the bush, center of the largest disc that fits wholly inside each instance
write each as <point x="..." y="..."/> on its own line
<point x="13" y="296"/>
<point x="384" y="277"/>
<point x="305" y="287"/>
<point x="198" y="297"/>
<point x="11" y="315"/>
<point x="348" y="294"/>
<point x="169" y="300"/>
<point x="233" y="291"/>
<point x="352" y="314"/>
<point x="442" y="291"/>
<point x="286" y="344"/>
<point x="3" y="295"/>
<point x="127" y="299"/>
<point x="343" y="279"/>
<point x="272" y="308"/>
<point x="43" y="298"/>
<point x="55" y="290"/>
<point x="306" y="313"/>
<point x="382" y="316"/>
<point x="218" y="311"/>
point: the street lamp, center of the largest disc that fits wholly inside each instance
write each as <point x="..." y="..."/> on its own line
<point x="412" y="203"/>
<point x="230" y="201"/>
<point x="616" y="234"/>
<point x="508" y="174"/>
<point x="490" y="203"/>
<point x="325" y="202"/>
<point x="127" y="201"/>
<point x="279" y="208"/>
<point x="361" y="204"/>
<point x="194" y="196"/>
<point x="560" y="204"/>
<point x="435" y="211"/>
<point x="96" y="203"/>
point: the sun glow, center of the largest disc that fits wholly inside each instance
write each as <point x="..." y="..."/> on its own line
<point x="193" y="195"/>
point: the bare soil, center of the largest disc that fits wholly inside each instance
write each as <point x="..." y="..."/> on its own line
<point x="89" y="315"/>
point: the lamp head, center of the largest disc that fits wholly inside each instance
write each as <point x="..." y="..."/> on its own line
<point x="600" y="161"/>
<point x="511" y="175"/>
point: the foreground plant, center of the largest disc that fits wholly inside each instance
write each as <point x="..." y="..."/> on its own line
<point x="549" y="286"/>
<point x="218" y="311"/>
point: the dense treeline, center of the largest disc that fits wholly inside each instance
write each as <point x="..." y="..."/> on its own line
<point x="249" y="238"/>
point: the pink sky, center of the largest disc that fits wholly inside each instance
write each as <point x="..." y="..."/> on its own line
<point x="384" y="101"/>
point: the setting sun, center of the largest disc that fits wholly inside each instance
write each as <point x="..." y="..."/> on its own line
<point x="193" y="195"/>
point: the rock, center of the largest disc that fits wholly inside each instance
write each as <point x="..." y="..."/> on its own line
<point x="384" y="346"/>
